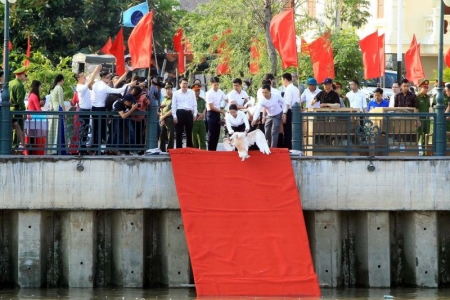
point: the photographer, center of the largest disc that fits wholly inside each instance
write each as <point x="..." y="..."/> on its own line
<point x="124" y="108"/>
<point x="137" y="123"/>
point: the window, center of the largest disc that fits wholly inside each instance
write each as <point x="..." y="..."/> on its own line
<point x="380" y="10"/>
<point x="312" y="8"/>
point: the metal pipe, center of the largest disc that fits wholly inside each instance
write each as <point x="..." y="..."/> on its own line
<point x="440" y="108"/>
<point x="399" y="39"/>
<point x="6" y="128"/>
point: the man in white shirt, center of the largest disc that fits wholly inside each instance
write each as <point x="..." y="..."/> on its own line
<point x="215" y="104"/>
<point x="395" y="90"/>
<point x="268" y="79"/>
<point x="237" y="95"/>
<point x="100" y="91"/>
<point x="310" y="93"/>
<point x="276" y="109"/>
<point x="291" y="96"/>
<point x="357" y="98"/>
<point x="84" y="104"/>
<point x="184" y="112"/>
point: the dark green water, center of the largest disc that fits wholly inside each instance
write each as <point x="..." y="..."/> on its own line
<point x="189" y="294"/>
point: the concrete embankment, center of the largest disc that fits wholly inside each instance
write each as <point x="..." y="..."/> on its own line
<point x="116" y="221"/>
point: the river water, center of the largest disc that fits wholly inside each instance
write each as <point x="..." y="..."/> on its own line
<point x="189" y="294"/>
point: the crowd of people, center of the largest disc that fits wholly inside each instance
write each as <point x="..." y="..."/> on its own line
<point x="189" y="114"/>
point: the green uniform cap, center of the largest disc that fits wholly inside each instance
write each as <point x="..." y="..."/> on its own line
<point x="424" y="82"/>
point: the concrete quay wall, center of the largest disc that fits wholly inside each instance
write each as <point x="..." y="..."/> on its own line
<point x="117" y="222"/>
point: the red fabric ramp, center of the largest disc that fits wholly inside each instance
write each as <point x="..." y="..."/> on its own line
<point x="244" y="224"/>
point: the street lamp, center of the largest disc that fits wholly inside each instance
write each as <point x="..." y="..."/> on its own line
<point x="440" y="108"/>
<point x="6" y="128"/>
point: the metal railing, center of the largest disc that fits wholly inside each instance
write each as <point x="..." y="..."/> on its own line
<point x="84" y="132"/>
<point x="365" y="134"/>
<point x="314" y="133"/>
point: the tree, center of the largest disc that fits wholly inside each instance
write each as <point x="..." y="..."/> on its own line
<point x="43" y="69"/>
<point x="60" y="28"/>
<point x="251" y="18"/>
<point x="166" y="21"/>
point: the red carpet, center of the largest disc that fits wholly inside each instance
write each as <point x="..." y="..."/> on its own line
<point x="244" y="224"/>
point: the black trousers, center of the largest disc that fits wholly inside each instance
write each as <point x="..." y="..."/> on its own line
<point x="98" y="124"/>
<point x="288" y="130"/>
<point x="85" y="129"/>
<point x="213" y="119"/>
<point x="240" y="128"/>
<point x="185" y="123"/>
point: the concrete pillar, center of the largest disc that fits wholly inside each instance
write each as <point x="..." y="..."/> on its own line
<point x="325" y="227"/>
<point x="378" y="249"/>
<point x="174" y="253"/>
<point x="78" y="248"/>
<point x="421" y="249"/>
<point x="28" y="257"/>
<point x="128" y="248"/>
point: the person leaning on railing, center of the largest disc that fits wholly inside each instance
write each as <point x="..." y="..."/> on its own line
<point x="100" y="91"/>
<point x="124" y="107"/>
<point x="327" y="97"/>
<point x="137" y="123"/>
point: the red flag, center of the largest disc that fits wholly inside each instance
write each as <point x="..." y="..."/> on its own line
<point x="371" y="55"/>
<point x="10" y="46"/>
<point x="447" y="58"/>
<point x="117" y="50"/>
<point x="414" y="41"/>
<point x="304" y="47"/>
<point x="224" y="53"/>
<point x="321" y="54"/>
<point x="254" y="56"/>
<point x="140" y="42"/>
<point x="282" y="31"/>
<point x="413" y="64"/>
<point x="382" y="54"/>
<point x="179" y="47"/>
<point x="105" y="49"/>
<point x="26" y="63"/>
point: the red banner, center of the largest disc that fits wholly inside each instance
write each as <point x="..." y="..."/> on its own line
<point x="245" y="231"/>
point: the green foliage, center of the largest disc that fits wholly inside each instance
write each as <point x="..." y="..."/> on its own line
<point x="60" y="28"/>
<point x="445" y="75"/>
<point x="204" y="29"/>
<point x="166" y="22"/>
<point x="347" y="55"/>
<point x="42" y="69"/>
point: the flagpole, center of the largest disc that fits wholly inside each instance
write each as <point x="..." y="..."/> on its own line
<point x="399" y="39"/>
<point x="154" y="52"/>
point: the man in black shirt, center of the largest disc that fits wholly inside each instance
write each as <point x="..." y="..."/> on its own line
<point x="124" y="107"/>
<point x="327" y="97"/>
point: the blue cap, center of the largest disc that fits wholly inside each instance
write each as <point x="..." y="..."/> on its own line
<point x="327" y="81"/>
<point x="311" y="81"/>
<point x="129" y="97"/>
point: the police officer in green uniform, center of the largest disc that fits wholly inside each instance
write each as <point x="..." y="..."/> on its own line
<point x="166" y="120"/>
<point x="17" y="99"/>
<point x="424" y="107"/>
<point x="199" y="129"/>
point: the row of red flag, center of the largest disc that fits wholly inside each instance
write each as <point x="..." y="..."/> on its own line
<point x="282" y="30"/>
